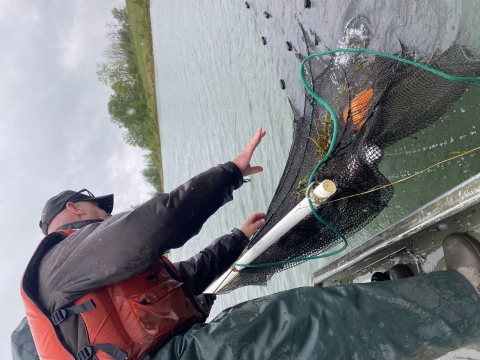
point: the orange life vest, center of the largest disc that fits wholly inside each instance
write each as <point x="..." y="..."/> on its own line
<point x="126" y="320"/>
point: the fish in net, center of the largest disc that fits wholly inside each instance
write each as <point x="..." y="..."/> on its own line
<point x="377" y="101"/>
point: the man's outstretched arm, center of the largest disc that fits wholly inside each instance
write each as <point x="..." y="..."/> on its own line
<point x="128" y="243"/>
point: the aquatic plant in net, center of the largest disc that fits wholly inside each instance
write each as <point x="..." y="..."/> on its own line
<point x="377" y="101"/>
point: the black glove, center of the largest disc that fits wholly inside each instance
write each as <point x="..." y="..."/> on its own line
<point x="206" y="302"/>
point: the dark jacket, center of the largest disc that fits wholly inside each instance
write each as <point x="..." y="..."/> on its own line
<point x="126" y="244"/>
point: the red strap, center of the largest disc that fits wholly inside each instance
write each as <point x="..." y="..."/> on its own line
<point x="67" y="232"/>
<point x="169" y="264"/>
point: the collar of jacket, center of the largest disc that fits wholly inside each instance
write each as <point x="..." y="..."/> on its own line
<point x="77" y="225"/>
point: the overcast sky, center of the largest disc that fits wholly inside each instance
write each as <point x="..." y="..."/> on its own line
<point x="55" y="132"/>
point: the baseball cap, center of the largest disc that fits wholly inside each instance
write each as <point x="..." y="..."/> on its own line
<point x="56" y="204"/>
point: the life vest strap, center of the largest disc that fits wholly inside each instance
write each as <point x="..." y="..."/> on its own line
<point x="86" y="353"/>
<point x="61" y="314"/>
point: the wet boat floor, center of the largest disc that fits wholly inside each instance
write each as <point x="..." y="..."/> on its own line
<point x="422" y="252"/>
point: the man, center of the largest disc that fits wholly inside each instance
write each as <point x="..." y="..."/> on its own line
<point x="422" y="317"/>
<point x="107" y="250"/>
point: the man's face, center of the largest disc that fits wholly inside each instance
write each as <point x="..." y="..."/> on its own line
<point x="92" y="211"/>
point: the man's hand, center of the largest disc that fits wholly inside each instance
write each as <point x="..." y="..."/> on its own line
<point x="243" y="159"/>
<point x="252" y="224"/>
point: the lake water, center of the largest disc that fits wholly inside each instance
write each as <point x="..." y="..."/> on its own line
<point x="216" y="84"/>
<point x="214" y="90"/>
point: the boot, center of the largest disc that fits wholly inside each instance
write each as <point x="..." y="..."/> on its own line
<point x="462" y="253"/>
<point x="380" y="276"/>
<point x="399" y="271"/>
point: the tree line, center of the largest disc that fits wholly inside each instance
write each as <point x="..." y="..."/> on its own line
<point x="127" y="105"/>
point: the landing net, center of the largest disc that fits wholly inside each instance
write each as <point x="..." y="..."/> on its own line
<point x="376" y="101"/>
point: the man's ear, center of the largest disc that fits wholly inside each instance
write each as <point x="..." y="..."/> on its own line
<point x="74" y="209"/>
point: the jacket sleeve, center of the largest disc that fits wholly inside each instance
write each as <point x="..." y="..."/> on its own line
<point x="128" y="243"/>
<point x="201" y="270"/>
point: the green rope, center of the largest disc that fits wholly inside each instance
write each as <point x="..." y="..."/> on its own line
<point x="316" y="98"/>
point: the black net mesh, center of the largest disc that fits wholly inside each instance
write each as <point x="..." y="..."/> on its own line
<point x="377" y="101"/>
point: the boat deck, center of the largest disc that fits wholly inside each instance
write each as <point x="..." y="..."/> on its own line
<point x="416" y="240"/>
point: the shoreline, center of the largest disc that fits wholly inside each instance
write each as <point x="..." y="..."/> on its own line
<point x="139" y="18"/>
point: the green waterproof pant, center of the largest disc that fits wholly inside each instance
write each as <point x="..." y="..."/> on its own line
<point x="421" y="317"/>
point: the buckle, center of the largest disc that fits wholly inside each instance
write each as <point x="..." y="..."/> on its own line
<point x="85" y="353"/>
<point x="58" y="316"/>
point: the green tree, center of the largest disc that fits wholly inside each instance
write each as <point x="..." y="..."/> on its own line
<point x="127" y="105"/>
